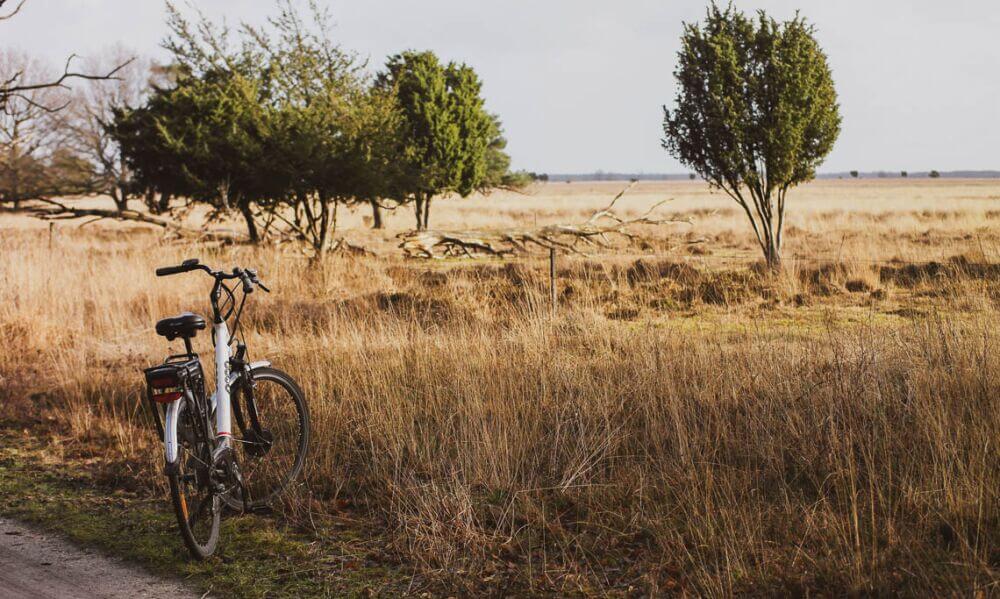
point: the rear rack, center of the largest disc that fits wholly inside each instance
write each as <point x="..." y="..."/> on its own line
<point x="181" y="370"/>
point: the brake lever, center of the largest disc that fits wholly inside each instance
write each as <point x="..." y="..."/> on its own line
<point x="247" y="281"/>
<point x="253" y="277"/>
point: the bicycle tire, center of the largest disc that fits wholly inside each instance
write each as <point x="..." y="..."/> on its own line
<point x="181" y="482"/>
<point x="283" y="412"/>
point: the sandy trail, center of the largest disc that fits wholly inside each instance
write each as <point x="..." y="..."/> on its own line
<point x="35" y="565"/>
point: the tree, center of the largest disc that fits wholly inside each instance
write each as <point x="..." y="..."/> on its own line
<point x="154" y="166"/>
<point x="87" y="122"/>
<point x="25" y="132"/>
<point x="277" y="126"/>
<point x="934" y="175"/>
<point x="756" y="112"/>
<point x="34" y="160"/>
<point x="201" y="134"/>
<point x="323" y="131"/>
<point x="446" y="132"/>
<point x="200" y="139"/>
<point x="904" y="174"/>
<point x="855" y="174"/>
<point x="372" y="133"/>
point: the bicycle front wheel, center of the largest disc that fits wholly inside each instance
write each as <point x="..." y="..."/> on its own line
<point x="272" y="420"/>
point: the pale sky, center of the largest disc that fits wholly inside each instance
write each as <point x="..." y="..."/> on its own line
<point x="579" y="84"/>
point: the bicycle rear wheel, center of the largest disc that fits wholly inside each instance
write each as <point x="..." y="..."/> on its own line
<point x="272" y="420"/>
<point x="197" y="506"/>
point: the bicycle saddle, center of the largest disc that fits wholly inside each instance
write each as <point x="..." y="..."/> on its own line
<point x="184" y="325"/>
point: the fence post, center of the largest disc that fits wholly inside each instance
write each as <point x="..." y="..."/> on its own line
<point x="552" y="278"/>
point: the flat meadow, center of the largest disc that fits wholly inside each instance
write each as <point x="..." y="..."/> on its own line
<point x="682" y="422"/>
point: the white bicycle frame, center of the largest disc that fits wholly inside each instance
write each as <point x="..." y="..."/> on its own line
<point x="220" y="401"/>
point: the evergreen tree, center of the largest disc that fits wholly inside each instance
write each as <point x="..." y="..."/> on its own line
<point x="756" y="112"/>
<point x="446" y="133"/>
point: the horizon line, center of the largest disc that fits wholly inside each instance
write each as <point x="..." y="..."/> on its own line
<point x="600" y="175"/>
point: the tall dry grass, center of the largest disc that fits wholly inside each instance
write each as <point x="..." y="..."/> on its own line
<point x="673" y="428"/>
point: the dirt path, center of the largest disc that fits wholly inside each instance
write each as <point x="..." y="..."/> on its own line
<point x="33" y="566"/>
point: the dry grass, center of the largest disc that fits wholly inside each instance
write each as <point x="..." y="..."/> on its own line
<point x="682" y="424"/>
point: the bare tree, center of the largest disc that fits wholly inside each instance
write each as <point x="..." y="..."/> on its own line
<point x="86" y="120"/>
<point x="15" y="85"/>
<point x="28" y="130"/>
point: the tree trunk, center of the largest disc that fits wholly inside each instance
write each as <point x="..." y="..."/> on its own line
<point x="324" y="226"/>
<point x="419" y="202"/>
<point x="773" y="255"/>
<point x="772" y="240"/>
<point x="427" y="212"/>
<point x="15" y="188"/>
<point x="150" y="198"/>
<point x="327" y="225"/>
<point x="123" y="197"/>
<point x="376" y="214"/>
<point x="251" y="224"/>
<point x="119" y="198"/>
<point x="164" y="203"/>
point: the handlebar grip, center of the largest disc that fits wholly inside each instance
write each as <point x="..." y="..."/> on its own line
<point x="186" y="266"/>
<point x="166" y="271"/>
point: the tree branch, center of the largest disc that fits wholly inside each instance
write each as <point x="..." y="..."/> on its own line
<point x="11" y="89"/>
<point x="55" y="210"/>
<point x="17" y="9"/>
<point x="594" y="232"/>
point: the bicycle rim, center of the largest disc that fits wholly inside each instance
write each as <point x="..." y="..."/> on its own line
<point x="270" y="464"/>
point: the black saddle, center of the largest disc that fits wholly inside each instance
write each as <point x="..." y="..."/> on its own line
<point x="184" y="325"/>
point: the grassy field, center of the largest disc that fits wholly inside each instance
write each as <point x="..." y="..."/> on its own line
<point x="682" y="423"/>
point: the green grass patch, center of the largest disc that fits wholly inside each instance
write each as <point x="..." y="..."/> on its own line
<point x="257" y="556"/>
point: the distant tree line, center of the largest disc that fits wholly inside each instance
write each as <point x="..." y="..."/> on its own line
<point x="906" y="174"/>
<point x="276" y="122"/>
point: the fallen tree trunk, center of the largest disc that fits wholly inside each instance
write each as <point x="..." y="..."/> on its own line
<point x="51" y="210"/>
<point x="596" y="232"/>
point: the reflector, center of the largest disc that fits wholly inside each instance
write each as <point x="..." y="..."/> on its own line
<point x="167" y="397"/>
<point x="164" y="380"/>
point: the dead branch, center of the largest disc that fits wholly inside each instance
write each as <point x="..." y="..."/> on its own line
<point x="342" y="246"/>
<point x="52" y="210"/>
<point x="16" y="10"/>
<point x="12" y="89"/>
<point x="598" y="231"/>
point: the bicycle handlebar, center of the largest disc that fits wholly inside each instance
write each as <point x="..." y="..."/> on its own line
<point x="247" y="276"/>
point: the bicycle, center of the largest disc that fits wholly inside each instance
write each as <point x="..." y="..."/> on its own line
<point x="206" y="466"/>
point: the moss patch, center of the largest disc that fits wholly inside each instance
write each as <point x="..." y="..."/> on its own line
<point x="257" y="556"/>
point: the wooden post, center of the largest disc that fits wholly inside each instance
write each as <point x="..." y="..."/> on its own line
<point x="51" y="226"/>
<point x="552" y="277"/>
